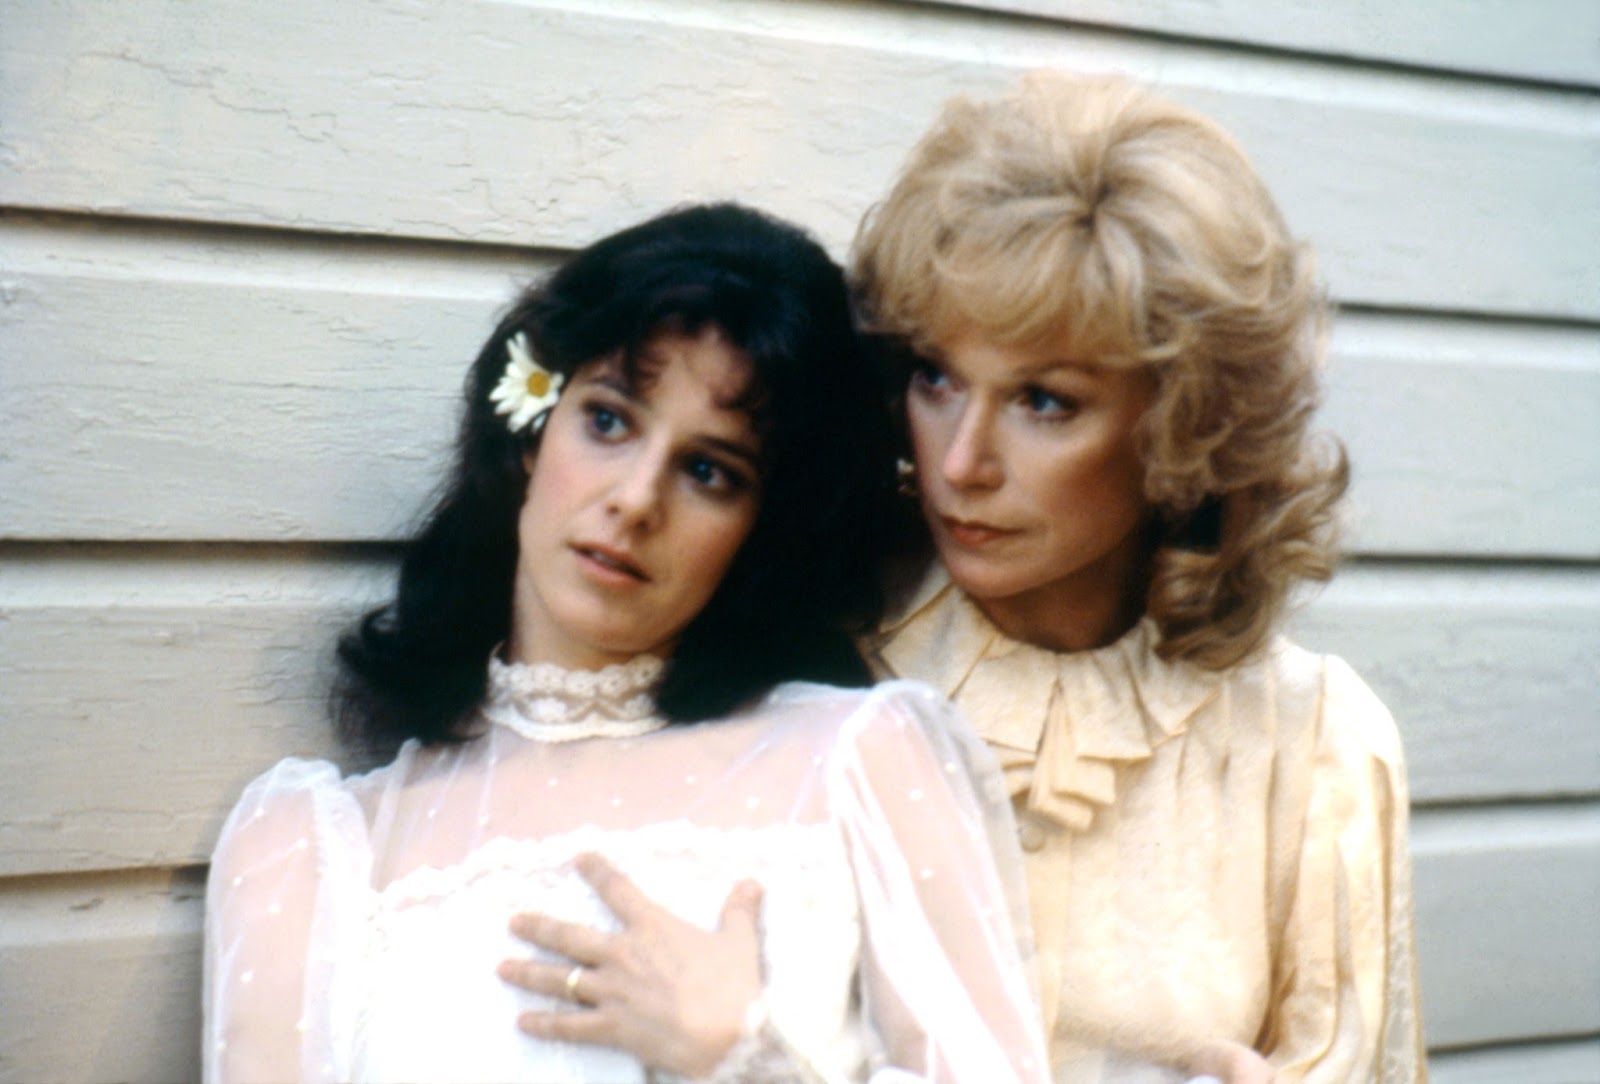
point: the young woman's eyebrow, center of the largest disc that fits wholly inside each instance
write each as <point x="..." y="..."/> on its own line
<point x="612" y="379"/>
<point x="741" y="450"/>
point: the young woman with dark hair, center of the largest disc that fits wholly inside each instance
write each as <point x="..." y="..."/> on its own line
<point x="601" y="672"/>
<point x="414" y="668"/>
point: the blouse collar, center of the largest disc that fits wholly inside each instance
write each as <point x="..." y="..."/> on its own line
<point x="1060" y="722"/>
<point x="547" y="703"/>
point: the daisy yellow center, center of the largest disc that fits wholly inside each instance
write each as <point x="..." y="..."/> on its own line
<point x="538" y="384"/>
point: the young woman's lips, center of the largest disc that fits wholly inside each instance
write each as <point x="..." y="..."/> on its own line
<point x="609" y="565"/>
<point x="970" y="533"/>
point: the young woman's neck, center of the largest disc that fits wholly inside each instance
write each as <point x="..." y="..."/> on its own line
<point x="531" y="649"/>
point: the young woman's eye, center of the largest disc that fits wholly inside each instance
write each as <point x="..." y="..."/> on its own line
<point x="605" y="421"/>
<point x="1048" y="405"/>
<point x="715" y="477"/>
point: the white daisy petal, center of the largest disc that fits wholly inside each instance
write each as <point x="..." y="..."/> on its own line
<point x="517" y="348"/>
<point x="511" y="395"/>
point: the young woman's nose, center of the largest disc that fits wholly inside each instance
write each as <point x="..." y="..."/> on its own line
<point x="970" y="458"/>
<point x="637" y="492"/>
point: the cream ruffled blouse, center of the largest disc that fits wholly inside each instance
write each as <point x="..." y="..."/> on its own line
<point x="1210" y="855"/>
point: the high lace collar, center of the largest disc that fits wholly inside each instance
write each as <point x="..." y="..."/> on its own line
<point x="547" y="703"/>
<point x="1059" y="722"/>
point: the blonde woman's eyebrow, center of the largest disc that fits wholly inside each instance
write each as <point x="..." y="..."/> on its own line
<point x="1084" y="369"/>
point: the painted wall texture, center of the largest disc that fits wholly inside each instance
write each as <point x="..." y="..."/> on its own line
<point x="247" y="248"/>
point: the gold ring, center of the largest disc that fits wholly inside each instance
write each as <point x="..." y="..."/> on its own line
<point x="572" y="983"/>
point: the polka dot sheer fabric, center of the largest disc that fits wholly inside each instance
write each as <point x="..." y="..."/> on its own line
<point x="354" y="925"/>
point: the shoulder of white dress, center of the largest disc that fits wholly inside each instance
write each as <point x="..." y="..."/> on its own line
<point x="277" y="805"/>
<point x="295" y="789"/>
<point x="901" y="705"/>
<point x="294" y="775"/>
<point x="917" y="695"/>
<point x="897" y="702"/>
<point x="853" y="695"/>
<point x="791" y="692"/>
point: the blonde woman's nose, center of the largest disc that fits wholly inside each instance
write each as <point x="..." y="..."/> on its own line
<point x="970" y="458"/>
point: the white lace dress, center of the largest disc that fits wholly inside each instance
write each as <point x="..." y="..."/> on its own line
<point x="354" y="925"/>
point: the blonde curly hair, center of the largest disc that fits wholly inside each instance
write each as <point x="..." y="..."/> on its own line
<point x="1093" y="215"/>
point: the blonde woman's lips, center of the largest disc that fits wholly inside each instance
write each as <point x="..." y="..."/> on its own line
<point x="609" y="565"/>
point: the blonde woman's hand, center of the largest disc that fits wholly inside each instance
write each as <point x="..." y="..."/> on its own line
<point x="666" y="991"/>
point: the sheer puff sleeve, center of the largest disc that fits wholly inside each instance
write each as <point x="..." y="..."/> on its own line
<point x="1345" y="1004"/>
<point x="946" y="950"/>
<point x="289" y="865"/>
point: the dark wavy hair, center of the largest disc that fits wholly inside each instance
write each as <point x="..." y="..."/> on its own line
<point x="805" y="581"/>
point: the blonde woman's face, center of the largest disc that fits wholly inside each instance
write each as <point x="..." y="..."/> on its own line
<point x="1031" y="484"/>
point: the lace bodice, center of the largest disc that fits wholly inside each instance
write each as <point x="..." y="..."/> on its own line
<point x="360" y="920"/>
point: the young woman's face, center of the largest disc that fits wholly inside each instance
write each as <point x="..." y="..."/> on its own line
<point x="1031" y="484"/>
<point x="638" y="499"/>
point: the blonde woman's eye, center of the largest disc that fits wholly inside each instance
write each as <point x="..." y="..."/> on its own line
<point x="1048" y="405"/>
<point x="927" y="377"/>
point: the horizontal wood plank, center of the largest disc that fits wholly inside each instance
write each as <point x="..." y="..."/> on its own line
<point x="551" y="123"/>
<point x="1504" y="902"/>
<point x="1553" y="40"/>
<point x="100" y="978"/>
<point x="208" y="667"/>
<point x="327" y="375"/>
<point x="1464" y="435"/>
<point x="206" y="671"/>
<point x="1530" y="1063"/>
<point x="1507" y="942"/>
<point x="277" y="390"/>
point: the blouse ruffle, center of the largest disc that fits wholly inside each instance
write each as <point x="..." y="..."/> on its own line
<point x="1059" y="723"/>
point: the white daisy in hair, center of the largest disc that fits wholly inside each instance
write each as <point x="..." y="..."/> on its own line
<point x="527" y="390"/>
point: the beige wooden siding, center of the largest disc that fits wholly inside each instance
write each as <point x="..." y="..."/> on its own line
<point x="247" y="249"/>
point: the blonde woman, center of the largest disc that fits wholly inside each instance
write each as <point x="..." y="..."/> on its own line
<point x="1111" y="344"/>
<point x="1108" y="343"/>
